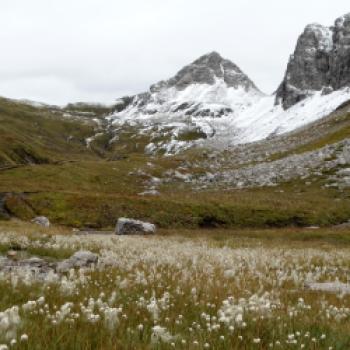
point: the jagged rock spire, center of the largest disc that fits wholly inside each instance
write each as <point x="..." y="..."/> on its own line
<point x="320" y="62"/>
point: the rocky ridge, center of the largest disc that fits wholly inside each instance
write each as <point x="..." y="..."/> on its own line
<point x="320" y="62"/>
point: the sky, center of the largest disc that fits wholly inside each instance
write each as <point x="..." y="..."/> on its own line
<point x="60" y="51"/>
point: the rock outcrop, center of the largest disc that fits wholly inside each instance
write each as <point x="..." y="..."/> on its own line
<point x="130" y="226"/>
<point x="78" y="260"/>
<point x="42" y="221"/>
<point x="321" y="62"/>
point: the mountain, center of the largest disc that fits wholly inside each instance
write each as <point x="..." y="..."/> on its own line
<point x="321" y="62"/>
<point x="211" y="102"/>
<point x="210" y="86"/>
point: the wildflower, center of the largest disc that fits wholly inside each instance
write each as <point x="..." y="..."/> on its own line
<point x="24" y="338"/>
<point x="256" y="340"/>
<point x="160" y="333"/>
<point x="111" y="317"/>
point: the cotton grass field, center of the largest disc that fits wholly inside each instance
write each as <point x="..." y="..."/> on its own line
<point x="175" y="291"/>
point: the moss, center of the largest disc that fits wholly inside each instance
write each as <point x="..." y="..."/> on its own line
<point x="192" y="135"/>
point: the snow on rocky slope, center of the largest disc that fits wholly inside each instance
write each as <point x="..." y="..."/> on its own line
<point x="211" y="101"/>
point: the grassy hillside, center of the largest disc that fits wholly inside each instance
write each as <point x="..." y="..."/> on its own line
<point x="32" y="135"/>
<point x="78" y="186"/>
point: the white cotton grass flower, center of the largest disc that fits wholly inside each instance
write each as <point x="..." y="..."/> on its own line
<point x="24" y="338"/>
<point x="161" y="333"/>
<point x="111" y="317"/>
<point x="153" y="308"/>
<point x="29" y="306"/>
<point x="9" y="322"/>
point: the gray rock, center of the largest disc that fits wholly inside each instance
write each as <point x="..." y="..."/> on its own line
<point x="205" y="70"/>
<point x="37" y="266"/>
<point x="79" y="259"/>
<point x="42" y="221"/>
<point x="127" y="226"/>
<point x="320" y="62"/>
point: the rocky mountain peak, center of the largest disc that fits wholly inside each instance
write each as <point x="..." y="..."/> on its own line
<point x="207" y="69"/>
<point x="320" y="62"/>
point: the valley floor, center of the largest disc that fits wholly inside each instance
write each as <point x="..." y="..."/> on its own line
<point x="202" y="289"/>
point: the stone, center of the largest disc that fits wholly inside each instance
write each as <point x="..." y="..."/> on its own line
<point x="80" y="259"/>
<point x="11" y="254"/>
<point x="42" y="221"/>
<point x="127" y="226"/>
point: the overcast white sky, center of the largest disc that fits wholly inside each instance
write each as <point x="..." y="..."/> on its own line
<point x="58" y="51"/>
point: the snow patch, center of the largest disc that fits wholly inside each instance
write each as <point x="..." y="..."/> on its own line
<point x="230" y="115"/>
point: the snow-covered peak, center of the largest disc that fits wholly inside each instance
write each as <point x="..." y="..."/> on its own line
<point x="210" y="86"/>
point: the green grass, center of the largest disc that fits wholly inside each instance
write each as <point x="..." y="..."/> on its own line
<point x="95" y="194"/>
<point x="40" y="135"/>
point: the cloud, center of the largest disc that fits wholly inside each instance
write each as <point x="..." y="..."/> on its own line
<point x="97" y="50"/>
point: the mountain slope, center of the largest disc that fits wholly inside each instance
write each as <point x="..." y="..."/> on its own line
<point x="36" y="134"/>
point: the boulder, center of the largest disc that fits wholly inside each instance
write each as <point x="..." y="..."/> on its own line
<point x="127" y="226"/>
<point x="11" y="254"/>
<point x="78" y="260"/>
<point x="42" y="221"/>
